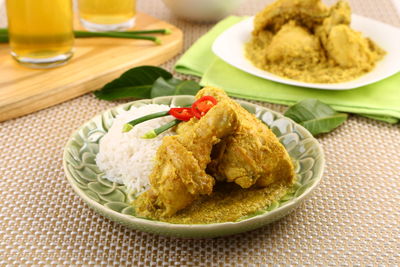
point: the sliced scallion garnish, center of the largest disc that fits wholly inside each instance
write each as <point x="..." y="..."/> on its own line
<point x="128" y="126"/>
<point x="126" y="34"/>
<point x="154" y="133"/>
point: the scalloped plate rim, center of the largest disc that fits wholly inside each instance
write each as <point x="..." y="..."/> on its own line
<point x="129" y="219"/>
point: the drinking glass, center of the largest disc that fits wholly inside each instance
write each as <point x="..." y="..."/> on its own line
<point x="107" y="15"/>
<point x="40" y="32"/>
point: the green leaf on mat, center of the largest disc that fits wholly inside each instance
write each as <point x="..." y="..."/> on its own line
<point x="134" y="83"/>
<point x="173" y="86"/>
<point x="315" y="116"/>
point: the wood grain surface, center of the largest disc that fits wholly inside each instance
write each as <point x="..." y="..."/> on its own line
<point x="96" y="61"/>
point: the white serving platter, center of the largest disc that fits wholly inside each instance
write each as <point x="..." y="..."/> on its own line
<point x="229" y="46"/>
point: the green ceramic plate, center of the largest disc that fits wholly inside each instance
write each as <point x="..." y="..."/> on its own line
<point x="112" y="201"/>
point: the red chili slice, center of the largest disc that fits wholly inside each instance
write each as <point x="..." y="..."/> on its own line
<point x="203" y="105"/>
<point x="183" y="114"/>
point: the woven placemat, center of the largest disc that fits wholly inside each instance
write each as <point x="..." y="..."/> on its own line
<point x="351" y="219"/>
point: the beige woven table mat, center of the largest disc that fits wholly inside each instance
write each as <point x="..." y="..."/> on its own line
<point x="352" y="218"/>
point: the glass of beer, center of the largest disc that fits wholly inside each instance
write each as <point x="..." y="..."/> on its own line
<point x="40" y="32"/>
<point x="107" y="15"/>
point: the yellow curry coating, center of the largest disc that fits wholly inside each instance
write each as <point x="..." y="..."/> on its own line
<point x="252" y="154"/>
<point x="228" y="145"/>
<point x="179" y="176"/>
<point x="307" y="41"/>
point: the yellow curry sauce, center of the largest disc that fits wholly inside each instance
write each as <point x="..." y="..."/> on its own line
<point x="229" y="203"/>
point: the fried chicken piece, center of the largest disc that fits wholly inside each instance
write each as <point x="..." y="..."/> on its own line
<point x="360" y="52"/>
<point x="274" y="16"/>
<point x="294" y="45"/>
<point x="340" y="13"/>
<point x="179" y="176"/>
<point x="345" y="46"/>
<point x="252" y="155"/>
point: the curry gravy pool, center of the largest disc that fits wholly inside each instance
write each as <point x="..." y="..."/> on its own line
<point x="229" y="203"/>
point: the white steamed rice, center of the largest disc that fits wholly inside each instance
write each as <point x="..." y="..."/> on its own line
<point x="126" y="158"/>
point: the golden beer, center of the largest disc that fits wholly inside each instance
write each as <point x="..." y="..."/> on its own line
<point x="107" y="15"/>
<point x="40" y="31"/>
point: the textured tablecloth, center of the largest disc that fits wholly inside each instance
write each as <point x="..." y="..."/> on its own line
<point x="352" y="218"/>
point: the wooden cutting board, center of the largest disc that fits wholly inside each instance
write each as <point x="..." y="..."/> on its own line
<point x="96" y="61"/>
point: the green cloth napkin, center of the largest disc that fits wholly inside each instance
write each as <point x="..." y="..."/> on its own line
<point x="379" y="101"/>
